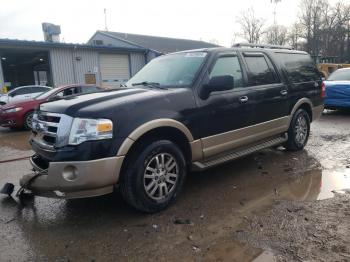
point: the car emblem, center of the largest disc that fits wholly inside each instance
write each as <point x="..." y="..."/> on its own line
<point x="39" y="127"/>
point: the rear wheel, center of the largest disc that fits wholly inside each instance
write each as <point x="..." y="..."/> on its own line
<point x="28" y="118"/>
<point x="299" y="131"/>
<point x="154" y="176"/>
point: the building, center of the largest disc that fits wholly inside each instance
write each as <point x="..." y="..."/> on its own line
<point x="155" y="45"/>
<point x="108" y="59"/>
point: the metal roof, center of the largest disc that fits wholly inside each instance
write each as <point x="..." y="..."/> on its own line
<point x="159" y="44"/>
<point x="5" y="42"/>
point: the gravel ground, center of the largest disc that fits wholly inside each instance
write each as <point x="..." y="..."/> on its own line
<point x="303" y="231"/>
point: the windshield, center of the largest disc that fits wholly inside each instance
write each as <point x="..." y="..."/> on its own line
<point x="174" y="70"/>
<point x="46" y="94"/>
<point x="340" y="75"/>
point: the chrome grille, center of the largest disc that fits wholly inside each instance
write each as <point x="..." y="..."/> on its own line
<point x="50" y="130"/>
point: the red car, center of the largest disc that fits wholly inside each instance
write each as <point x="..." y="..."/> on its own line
<point x="20" y="114"/>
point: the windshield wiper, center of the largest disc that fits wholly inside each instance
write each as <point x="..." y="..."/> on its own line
<point x="150" y="84"/>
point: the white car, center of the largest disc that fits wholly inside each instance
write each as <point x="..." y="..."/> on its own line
<point x="22" y="93"/>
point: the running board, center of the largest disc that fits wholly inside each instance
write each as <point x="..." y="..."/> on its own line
<point x="223" y="158"/>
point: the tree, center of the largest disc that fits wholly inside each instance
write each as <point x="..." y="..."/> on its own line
<point x="294" y="36"/>
<point x="325" y="28"/>
<point x="252" y="27"/>
<point x="276" y="35"/>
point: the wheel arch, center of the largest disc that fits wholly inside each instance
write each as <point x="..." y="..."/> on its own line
<point x="304" y="103"/>
<point x="169" y="129"/>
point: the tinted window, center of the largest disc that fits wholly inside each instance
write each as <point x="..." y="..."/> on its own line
<point x="23" y="91"/>
<point x="340" y="75"/>
<point x="228" y="66"/>
<point x="300" y="67"/>
<point x="39" y="89"/>
<point x="89" y="89"/>
<point x="260" y="73"/>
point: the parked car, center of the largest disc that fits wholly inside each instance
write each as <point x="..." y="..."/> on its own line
<point x="338" y="90"/>
<point x="20" y="114"/>
<point x="23" y="93"/>
<point x="193" y="109"/>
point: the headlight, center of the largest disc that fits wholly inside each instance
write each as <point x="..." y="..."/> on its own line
<point x="90" y="129"/>
<point x="13" y="110"/>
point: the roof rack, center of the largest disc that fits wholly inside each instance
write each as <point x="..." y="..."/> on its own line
<point x="262" y="46"/>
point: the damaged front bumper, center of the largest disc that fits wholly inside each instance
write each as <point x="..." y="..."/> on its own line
<point x="74" y="179"/>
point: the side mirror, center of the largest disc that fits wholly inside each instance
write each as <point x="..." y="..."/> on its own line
<point x="217" y="83"/>
<point x="13" y="94"/>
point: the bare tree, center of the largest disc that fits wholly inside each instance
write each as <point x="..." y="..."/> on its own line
<point x="276" y="35"/>
<point x="252" y="26"/>
<point x="325" y="28"/>
<point x="295" y="36"/>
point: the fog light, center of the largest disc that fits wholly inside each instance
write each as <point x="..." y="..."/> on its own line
<point x="70" y="173"/>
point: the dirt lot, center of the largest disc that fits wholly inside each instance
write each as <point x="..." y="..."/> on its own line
<point x="270" y="206"/>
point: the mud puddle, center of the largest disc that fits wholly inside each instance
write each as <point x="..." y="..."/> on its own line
<point x="14" y="144"/>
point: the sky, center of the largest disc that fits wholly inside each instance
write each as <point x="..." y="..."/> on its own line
<point x="189" y="19"/>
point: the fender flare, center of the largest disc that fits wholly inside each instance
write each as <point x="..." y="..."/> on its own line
<point x="148" y="126"/>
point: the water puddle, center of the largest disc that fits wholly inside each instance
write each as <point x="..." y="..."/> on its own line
<point x="333" y="180"/>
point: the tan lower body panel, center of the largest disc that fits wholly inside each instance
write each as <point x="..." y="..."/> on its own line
<point x="230" y="140"/>
<point x="77" y="178"/>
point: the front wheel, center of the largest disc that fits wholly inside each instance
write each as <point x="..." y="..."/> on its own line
<point x="28" y="118"/>
<point x="154" y="176"/>
<point x="299" y="131"/>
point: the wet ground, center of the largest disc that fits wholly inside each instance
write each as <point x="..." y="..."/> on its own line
<point x="205" y="223"/>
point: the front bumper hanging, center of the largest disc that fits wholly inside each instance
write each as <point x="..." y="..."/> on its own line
<point x="75" y="179"/>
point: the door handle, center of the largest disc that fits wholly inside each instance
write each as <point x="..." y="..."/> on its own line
<point x="243" y="99"/>
<point x="284" y="92"/>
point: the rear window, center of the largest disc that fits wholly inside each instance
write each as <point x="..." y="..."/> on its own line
<point x="300" y="67"/>
<point x="90" y="89"/>
<point x="340" y="75"/>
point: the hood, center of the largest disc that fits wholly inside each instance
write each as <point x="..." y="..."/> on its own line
<point x="95" y="102"/>
<point x="337" y="83"/>
<point x="24" y="103"/>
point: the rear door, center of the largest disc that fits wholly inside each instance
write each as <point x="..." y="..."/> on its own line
<point x="271" y="92"/>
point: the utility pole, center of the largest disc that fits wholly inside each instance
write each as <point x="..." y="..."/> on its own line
<point x="275" y="2"/>
<point x="348" y="42"/>
<point x="105" y="12"/>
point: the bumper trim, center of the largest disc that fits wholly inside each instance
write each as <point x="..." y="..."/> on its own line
<point x="92" y="178"/>
<point x="317" y="111"/>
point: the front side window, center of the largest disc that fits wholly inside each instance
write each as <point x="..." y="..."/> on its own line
<point x="176" y="70"/>
<point x="228" y="66"/>
<point x="260" y="73"/>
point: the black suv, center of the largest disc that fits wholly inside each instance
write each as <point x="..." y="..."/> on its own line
<point x="188" y="110"/>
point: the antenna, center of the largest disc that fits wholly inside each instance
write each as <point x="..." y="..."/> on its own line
<point x="105" y="12"/>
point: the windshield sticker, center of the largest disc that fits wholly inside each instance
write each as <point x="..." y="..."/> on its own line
<point x="196" y="54"/>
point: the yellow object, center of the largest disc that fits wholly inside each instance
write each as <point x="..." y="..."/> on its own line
<point x="327" y="68"/>
<point x="5" y="90"/>
<point x="104" y="127"/>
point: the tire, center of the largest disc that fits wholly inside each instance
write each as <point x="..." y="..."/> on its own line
<point x="140" y="178"/>
<point x="27" y="121"/>
<point x="299" y="131"/>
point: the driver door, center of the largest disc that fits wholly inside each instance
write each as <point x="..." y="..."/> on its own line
<point x="224" y="113"/>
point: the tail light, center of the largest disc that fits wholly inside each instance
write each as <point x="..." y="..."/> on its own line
<point x="323" y="90"/>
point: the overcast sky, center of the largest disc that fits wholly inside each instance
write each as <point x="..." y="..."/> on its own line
<point x="206" y="20"/>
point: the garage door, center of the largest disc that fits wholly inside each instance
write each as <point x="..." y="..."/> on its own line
<point x="114" y="69"/>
